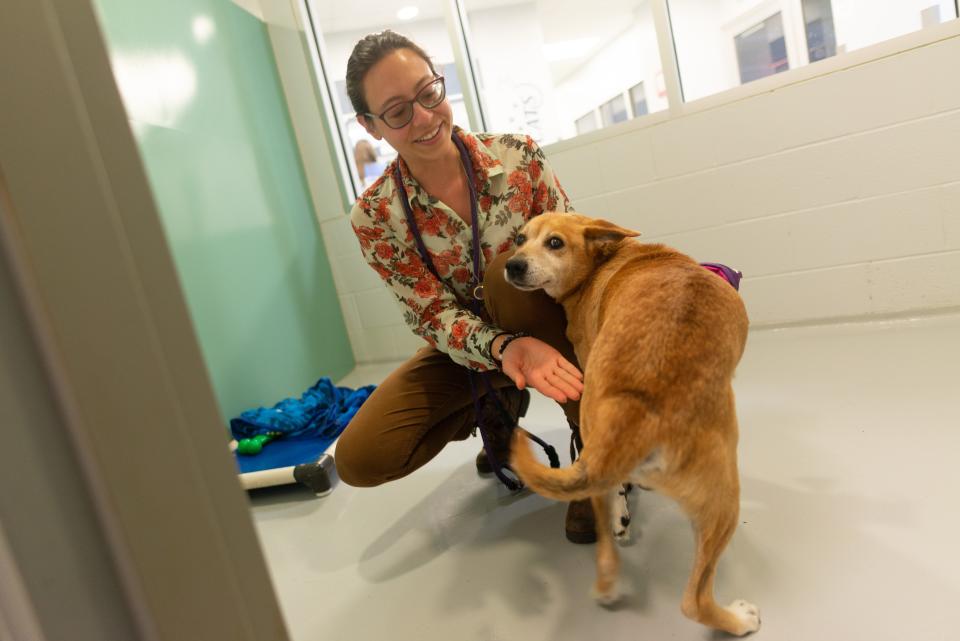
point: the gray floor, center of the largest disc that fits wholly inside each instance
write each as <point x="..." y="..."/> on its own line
<point x="850" y="465"/>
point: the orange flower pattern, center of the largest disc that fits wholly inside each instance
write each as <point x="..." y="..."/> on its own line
<point x="514" y="183"/>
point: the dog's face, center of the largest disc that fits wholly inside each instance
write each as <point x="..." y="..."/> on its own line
<point x="556" y="252"/>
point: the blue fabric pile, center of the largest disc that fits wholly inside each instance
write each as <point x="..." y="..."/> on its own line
<point x="323" y="411"/>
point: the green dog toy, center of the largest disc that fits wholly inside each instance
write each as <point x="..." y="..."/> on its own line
<point x="252" y="446"/>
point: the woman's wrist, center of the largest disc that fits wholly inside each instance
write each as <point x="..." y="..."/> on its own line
<point x="495" y="348"/>
<point x="509" y="338"/>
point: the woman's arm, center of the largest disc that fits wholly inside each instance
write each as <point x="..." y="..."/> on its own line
<point x="430" y="308"/>
<point x="530" y="361"/>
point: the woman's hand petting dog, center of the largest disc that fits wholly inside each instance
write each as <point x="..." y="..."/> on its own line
<point x="530" y="361"/>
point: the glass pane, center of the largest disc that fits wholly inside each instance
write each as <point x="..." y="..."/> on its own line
<point x="818" y="23"/>
<point x="638" y="96"/>
<point x="613" y="111"/>
<point x="544" y="66"/>
<point x="762" y="50"/>
<point x="586" y="123"/>
<point x="342" y="25"/>
<point x="723" y="44"/>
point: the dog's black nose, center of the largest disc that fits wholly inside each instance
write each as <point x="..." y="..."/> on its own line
<point x="516" y="268"/>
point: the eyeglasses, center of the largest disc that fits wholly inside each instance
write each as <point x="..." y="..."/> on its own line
<point x="400" y="114"/>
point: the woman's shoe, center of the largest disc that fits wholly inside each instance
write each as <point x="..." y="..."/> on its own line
<point x="581" y="526"/>
<point x="517" y="402"/>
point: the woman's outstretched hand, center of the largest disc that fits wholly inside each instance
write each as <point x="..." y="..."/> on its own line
<point x="530" y="362"/>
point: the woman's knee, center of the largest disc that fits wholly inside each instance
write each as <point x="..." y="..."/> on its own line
<point x="359" y="464"/>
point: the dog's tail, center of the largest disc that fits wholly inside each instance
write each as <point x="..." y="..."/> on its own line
<point x="562" y="484"/>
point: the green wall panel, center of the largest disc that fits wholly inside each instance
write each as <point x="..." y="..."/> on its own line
<point x="204" y="99"/>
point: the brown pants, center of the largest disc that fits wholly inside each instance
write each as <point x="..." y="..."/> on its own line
<point x="426" y="402"/>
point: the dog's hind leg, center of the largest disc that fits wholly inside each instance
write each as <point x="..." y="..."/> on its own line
<point x="607" y="588"/>
<point x="714" y="513"/>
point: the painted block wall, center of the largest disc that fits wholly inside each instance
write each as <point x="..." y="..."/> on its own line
<point x="204" y="98"/>
<point x="837" y="195"/>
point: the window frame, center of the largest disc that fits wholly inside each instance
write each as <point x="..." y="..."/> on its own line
<point x="682" y="108"/>
<point x="797" y="55"/>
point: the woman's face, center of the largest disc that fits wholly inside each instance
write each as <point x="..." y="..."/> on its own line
<point x="398" y="76"/>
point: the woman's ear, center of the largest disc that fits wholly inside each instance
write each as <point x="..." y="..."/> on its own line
<point x="370" y="125"/>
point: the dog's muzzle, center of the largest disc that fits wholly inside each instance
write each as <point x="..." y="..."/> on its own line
<point x="516" y="270"/>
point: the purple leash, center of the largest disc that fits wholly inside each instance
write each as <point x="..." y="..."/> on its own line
<point x="499" y="467"/>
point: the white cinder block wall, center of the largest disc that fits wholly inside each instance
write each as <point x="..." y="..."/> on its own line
<point x="837" y="195"/>
<point x="373" y="318"/>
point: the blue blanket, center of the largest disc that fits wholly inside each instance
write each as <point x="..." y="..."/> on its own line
<point x="323" y="411"/>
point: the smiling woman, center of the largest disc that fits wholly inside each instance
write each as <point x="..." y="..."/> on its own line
<point x="427" y="22"/>
<point x="400" y="99"/>
<point x="438" y="227"/>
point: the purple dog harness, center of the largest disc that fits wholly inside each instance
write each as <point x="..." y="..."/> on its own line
<point x="728" y="274"/>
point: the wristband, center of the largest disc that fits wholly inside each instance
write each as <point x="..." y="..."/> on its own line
<point x="510" y="339"/>
<point x="490" y="346"/>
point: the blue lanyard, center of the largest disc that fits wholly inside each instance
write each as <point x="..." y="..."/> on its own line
<point x="477" y="289"/>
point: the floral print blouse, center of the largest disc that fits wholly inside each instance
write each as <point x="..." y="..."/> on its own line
<point x="514" y="183"/>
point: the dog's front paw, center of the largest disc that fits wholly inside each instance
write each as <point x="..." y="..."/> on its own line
<point x="747" y="614"/>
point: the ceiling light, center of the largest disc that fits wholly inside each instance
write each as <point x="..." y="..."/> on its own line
<point x="203" y="28"/>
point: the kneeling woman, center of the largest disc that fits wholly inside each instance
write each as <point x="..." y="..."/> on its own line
<point x="468" y="195"/>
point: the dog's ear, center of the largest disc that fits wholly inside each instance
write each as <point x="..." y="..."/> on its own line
<point x="604" y="232"/>
<point x="601" y="238"/>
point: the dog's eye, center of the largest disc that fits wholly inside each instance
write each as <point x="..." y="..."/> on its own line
<point x="554" y="243"/>
<point x="520" y="239"/>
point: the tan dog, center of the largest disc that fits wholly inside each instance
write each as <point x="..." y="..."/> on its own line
<point x="658" y="338"/>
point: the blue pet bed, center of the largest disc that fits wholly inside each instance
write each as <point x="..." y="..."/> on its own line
<point x="299" y="431"/>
